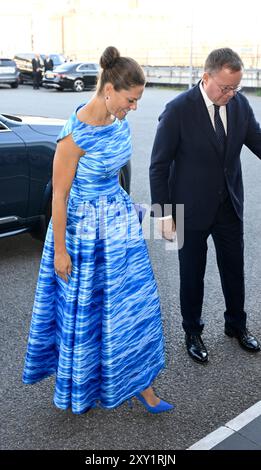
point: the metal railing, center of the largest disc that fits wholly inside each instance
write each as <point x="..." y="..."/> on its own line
<point x="181" y="76"/>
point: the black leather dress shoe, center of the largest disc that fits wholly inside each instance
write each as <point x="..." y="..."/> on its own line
<point x="246" y="340"/>
<point x="196" y="348"/>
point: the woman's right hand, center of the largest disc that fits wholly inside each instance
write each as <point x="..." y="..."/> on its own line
<point x="63" y="265"/>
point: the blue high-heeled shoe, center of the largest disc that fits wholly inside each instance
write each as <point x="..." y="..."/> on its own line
<point x="159" y="408"/>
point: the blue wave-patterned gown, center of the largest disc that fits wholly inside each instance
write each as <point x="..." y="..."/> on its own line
<point x="101" y="333"/>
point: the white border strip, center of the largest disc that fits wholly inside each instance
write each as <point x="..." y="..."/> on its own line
<point x="245" y="417"/>
<point x="212" y="439"/>
<point x="215" y="437"/>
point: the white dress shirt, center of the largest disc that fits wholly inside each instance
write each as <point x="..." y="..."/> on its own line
<point x="210" y="107"/>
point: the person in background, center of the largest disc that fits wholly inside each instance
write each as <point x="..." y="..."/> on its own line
<point x="48" y="63"/>
<point x="37" y="71"/>
<point x="96" y="318"/>
<point x="196" y="162"/>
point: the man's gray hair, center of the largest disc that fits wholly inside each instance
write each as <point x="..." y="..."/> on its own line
<point x="223" y="58"/>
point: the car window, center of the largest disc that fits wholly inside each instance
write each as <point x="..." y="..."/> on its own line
<point x="87" y="67"/>
<point x="3" y="127"/>
<point x="57" y="59"/>
<point x="84" y="67"/>
<point x="7" y="63"/>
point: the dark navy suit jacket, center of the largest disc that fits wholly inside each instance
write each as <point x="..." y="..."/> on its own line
<point x="186" y="164"/>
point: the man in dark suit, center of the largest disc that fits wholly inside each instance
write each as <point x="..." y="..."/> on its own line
<point x="37" y="71"/>
<point x="196" y="162"/>
<point x="48" y="64"/>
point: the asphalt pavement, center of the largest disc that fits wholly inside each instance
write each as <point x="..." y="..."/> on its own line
<point x="207" y="398"/>
<point x="241" y="433"/>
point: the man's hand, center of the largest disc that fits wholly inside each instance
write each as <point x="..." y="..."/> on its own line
<point x="167" y="228"/>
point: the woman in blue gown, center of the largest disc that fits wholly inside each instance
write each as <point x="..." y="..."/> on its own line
<point x="96" y="319"/>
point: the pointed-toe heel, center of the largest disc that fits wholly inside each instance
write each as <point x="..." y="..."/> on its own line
<point x="161" y="407"/>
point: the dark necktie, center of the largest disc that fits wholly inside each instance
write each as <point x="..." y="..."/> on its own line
<point x="219" y="128"/>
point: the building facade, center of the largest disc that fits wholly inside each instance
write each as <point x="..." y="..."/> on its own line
<point x="155" y="33"/>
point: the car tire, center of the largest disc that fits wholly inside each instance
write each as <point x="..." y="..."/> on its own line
<point x="14" y="85"/>
<point x="78" y="85"/>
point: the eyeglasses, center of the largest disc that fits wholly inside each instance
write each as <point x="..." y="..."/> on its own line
<point x="227" y="89"/>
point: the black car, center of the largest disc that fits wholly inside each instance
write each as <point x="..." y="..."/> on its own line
<point x="27" y="146"/>
<point x="9" y="74"/>
<point x="73" y="75"/>
<point x="24" y="63"/>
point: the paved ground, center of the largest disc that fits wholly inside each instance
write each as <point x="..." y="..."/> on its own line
<point x="241" y="433"/>
<point x="206" y="398"/>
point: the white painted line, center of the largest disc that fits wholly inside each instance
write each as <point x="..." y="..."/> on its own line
<point x="245" y="418"/>
<point x="212" y="439"/>
<point x="215" y="437"/>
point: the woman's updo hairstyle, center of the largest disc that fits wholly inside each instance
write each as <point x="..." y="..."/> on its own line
<point x="122" y="72"/>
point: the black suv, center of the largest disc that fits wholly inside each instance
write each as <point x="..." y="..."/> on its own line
<point x="24" y="64"/>
<point x="9" y="73"/>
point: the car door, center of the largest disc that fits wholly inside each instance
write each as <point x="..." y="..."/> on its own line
<point x="89" y="74"/>
<point x="14" y="174"/>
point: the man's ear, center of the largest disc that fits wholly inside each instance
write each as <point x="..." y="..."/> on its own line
<point x="205" y="78"/>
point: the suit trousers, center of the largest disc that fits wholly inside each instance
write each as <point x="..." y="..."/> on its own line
<point x="227" y="233"/>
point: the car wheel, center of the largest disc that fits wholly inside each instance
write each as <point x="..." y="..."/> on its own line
<point x="14" y="85"/>
<point x="78" y="85"/>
